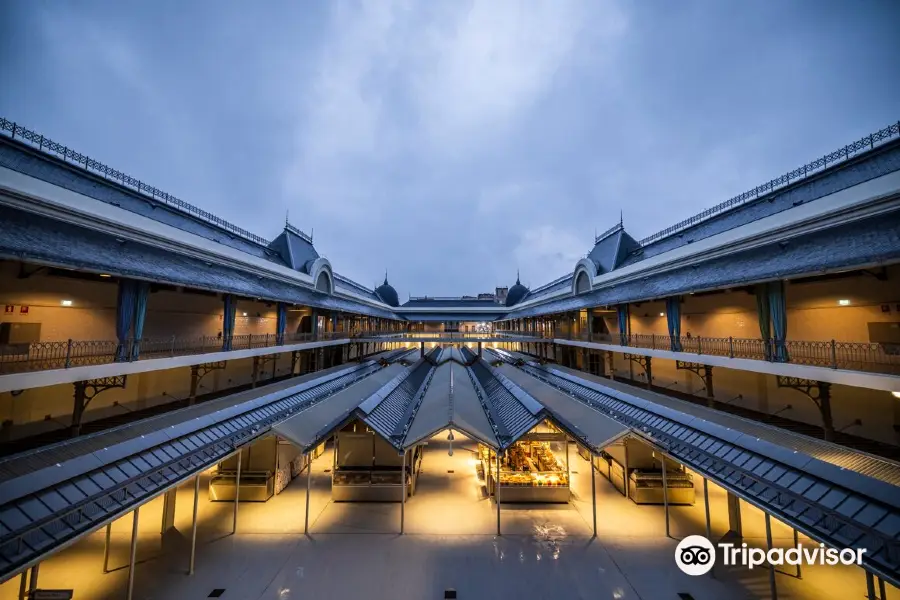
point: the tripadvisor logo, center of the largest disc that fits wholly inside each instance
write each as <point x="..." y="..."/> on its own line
<point x="696" y="555"/>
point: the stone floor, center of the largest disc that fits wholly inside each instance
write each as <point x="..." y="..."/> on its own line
<point x="354" y="549"/>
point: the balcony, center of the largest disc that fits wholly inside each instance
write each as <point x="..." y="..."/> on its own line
<point x="867" y="357"/>
<point x="41" y="356"/>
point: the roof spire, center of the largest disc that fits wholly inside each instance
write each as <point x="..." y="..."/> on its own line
<point x="621" y="217"/>
<point x="385" y="277"/>
<point x="517" y="277"/>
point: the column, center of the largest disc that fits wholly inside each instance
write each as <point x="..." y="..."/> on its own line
<point x="734" y="515"/>
<point x="194" y="525"/>
<point x="168" y="512"/>
<point x="133" y="554"/>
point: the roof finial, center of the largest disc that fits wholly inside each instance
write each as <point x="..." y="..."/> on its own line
<point x="287" y="212"/>
<point x="621" y="217"/>
<point x="517" y="277"/>
<point x="385" y="277"/>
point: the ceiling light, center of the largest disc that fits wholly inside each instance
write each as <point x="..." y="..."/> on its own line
<point x="66" y="303"/>
<point x="450" y="436"/>
<point x="245" y="314"/>
<point x="105" y="275"/>
<point x="662" y="314"/>
<point x="844" y="302"/>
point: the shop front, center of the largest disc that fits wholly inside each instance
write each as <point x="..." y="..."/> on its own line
<point x="368" y="469"/>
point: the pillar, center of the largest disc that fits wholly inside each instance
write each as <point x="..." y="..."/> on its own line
<point x="255" y="376"/>
<point x="825" y="409"/>
<point x="168" y="512"/>
<point x="308" y="486"/>
<point x="133" y="554"/>
<point x="194" y="525"/>
<point x="479" y="350"/>
<point x="195" y="383"/>
<point x="734" y="515"/>
<point x="403" y="493"/>
<point x="772" y="588"/>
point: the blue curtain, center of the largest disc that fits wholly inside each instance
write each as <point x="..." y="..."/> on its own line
<point x="673" y="317"/>
<point x="228" y="321"/>
<point x="281" y="324"/>
<point x="124" y="317"/>
<point x="779" y="319"/>
<point x="764" y="315"/>
<point x="623" y="313"/>
<point x="142" y="293"/>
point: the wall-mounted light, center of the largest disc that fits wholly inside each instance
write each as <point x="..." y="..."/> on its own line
<point x="896" y="394"/>
<point x="844" y="302"/>
<point x="245" y="314"/>
<point x="105" y="275"/>
<point x="662" y="314"/>
<point x="66" y="303"/>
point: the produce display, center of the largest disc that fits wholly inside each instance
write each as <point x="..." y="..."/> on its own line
<point x="528" y="464"/>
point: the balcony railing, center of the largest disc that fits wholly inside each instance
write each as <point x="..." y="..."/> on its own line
<point x="448" y="335"/>
<point x="855" y="356"/>
<point x="40" y="356"/>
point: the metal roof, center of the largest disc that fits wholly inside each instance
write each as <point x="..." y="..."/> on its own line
<point x="54" y="506"/>
<point x="593" y="429"/>
<point x="309" y="427"/>
<point x="48" y="241"/>
<point x="868" y="241"/>
<point x="833" y="505"/>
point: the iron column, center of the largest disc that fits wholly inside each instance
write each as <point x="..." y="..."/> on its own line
<point x="237" y="493"/>
<point x="308" y="485"/>
<point x="665" y="493"/>
<point x="497" y="491"/>
<point x="593" y="492"/>
<point x="403" y="493"/>
<point x="106" y="548"/>
<point x="772" y="588"/>
<point x="194" y="524"/>
<point x="134" y="538"/>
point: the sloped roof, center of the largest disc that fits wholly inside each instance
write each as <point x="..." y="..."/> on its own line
<point x="297" y="252"/>
<point x="610" y="251"/>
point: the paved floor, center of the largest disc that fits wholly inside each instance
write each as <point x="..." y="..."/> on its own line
<point x="354" y="550"/>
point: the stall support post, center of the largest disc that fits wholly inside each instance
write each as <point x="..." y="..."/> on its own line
<point x="106" y="547"/>
<point x="23" y="585"/>
<point x="773" y="590"/>
<point x="237" y="493"/>
<point x="133" y="555"/>
<point x="870" y="587"/>
<point x="625" y="468"/>
<point x="194" y="524"/>
<point x="593" y="492"/>
<point x="403" y="493"/>
<point x="881" y="588"/>
<point x="32" y="585"/>
<point x="797" y="544"/>
<point x="665" y="493"/>
<point x="568" y="471"/>
<point x="308" y="484"/>
<point x="712" y="571"/>
<point x="497" y="491"/>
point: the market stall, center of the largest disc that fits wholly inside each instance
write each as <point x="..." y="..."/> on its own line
<point x="368" y="469"/>
<point x="639" y="465"/>
<point x="534" y="469"/>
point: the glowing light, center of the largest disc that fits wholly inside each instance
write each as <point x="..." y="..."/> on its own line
<point x="662" y="314"/>
<point x="245" y="314"/>
<point x="105" y="275"/>
<point x="895" y="394"/>
<point x="66" y="303"/>
<point x="844" y="302"/>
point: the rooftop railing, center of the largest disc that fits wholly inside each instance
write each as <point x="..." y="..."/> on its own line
<point x="868" y="357"/>
<point x="820" y="164"/>
<point x="45" y="144"/>
<point x="41" y="356"/>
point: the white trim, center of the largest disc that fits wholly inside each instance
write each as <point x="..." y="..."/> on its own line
<point x="33" y="195"/>
<point x="867" y="199"/>
<point x="36" y="379"/>
<point x="500" y="309"/>
<point x="872" y="381"/>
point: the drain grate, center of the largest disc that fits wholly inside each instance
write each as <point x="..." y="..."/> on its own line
<point x="328" y="470"/>
<point x="216" y="593"/>
<point x="449" y="594"/>
<point x="450" y="471"/>
<point x="684" y="596"/>
<point x="574" y="472"/>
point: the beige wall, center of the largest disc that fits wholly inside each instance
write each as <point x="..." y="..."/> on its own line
<point x="814" y="312"/>
<point x="878" y="410"/>
<point x="93" y="311"/>
<point x="48" y="408"/>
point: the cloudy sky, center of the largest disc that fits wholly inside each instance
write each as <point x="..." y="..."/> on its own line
<point x="452" y="143"/>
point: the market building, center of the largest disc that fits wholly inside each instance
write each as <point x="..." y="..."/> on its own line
<point x="169" y="380"/>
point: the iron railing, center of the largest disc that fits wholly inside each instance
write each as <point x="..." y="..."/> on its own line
<point x="855" y="356"/>
<point x="40" y="356"/>
<point x="820" y="164"/>
<point x="45" y="144"/>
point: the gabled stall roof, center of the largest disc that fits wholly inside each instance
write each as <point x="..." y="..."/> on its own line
<point x="594" y="429"/>
<point x="309" y="427"/>
<point x="450" y="402"/>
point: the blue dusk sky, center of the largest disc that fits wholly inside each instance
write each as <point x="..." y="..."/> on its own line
<point x="454" y="142"/>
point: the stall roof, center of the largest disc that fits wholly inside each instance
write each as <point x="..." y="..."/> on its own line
<point x="450" y="402"/>
<point x="308" y="428"/>
<point x="594" y="429"/>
